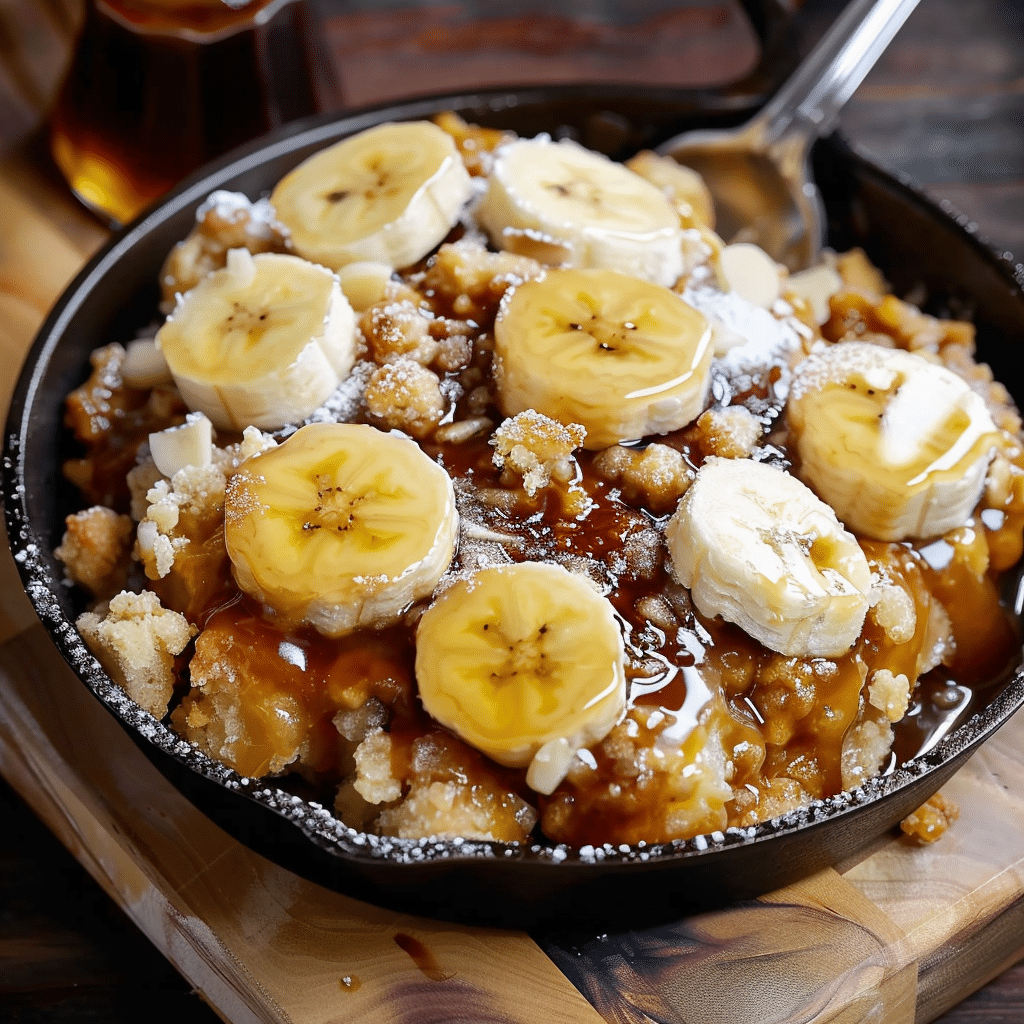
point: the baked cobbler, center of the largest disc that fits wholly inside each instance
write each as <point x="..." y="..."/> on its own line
<point x="474" y="485"/>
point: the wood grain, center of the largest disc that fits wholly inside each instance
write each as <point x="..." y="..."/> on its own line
<point x="892" y="938"/>
<point x="945" y="105"/>
<point x="65" y="946"/>
<point x="421" y="48"/>
<point x="46" y="238"/>
<point x="818" y="950"/>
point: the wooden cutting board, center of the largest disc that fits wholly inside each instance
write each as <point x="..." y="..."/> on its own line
<point x="898" y="937"/>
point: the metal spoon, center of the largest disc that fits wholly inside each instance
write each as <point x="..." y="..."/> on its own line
<point x="759" y="174"/>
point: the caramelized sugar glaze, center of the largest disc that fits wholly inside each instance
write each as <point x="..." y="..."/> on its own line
<point x="781" y="725"/>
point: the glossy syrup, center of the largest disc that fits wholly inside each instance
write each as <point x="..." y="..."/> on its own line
<point x="780" y="718"/>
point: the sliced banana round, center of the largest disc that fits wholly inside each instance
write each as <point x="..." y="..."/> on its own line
<point x="341" y="526"/>
<point x="897" y="445"/>
<point x="622" y="356"/>
<point x="526" y="663"/>
<point x="759" y="548"/>
<point x="388" y="195"/>
<point x="261" y="342"/>
<point x="593" y="211"/>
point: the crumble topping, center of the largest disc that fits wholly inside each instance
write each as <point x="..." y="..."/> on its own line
<point x="95" y="549"/>
<point x="718" y="732"/>
<point x="136" y="640"/>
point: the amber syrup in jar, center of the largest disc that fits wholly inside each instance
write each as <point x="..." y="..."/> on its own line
<point x="158" y="87"/>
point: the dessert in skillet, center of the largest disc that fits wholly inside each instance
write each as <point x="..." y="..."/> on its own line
<point x="474" y="486"/>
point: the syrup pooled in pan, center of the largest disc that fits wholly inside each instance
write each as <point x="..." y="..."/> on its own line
<point x="719" y="730"/>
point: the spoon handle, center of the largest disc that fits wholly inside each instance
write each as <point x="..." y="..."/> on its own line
<point x="808" y="104"/>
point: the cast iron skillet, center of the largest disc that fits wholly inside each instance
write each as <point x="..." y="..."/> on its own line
<point x="915" y="244"/>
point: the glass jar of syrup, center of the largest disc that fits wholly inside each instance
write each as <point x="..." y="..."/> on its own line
<point x="158" y="87"/>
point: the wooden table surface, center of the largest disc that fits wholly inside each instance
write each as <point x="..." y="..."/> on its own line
<point x="945" y="105"/>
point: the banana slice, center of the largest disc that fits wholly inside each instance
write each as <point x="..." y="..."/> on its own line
<point x="897" y="445"/>
<point x="596" y="212"/>
<point x="339" y="527"/>
<point x="756" y="546"/>
<point x="261" y="342"/>
<point x="388" y="195"/>
<point x="622" y="356"/>
<point x="526" y="663"/>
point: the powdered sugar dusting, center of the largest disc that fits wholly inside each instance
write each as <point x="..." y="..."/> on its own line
<point x="877" y="367"/>
<point x="232" y="206"/>
<point x="344" y="404"/>
<point x="760" y="340"/>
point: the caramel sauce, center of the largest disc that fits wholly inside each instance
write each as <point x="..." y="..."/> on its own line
<point x="422" y="956"/>
<point x="200" y="579"/>
<point x="781" y="718"/>
<point x="971" y="597"/>
<point x="290" y="685"/>
<point x="283" y="691"/>
<point x="699" y="689"/>
<point x="111" y="421"/>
